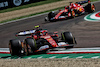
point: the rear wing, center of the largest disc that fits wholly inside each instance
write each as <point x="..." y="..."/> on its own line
<point x="24" y="33"/>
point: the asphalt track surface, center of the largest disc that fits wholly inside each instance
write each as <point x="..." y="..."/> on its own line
<point x="87" y="33"/>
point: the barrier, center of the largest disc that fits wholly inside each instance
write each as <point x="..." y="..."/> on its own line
<point x="13" y="3"/>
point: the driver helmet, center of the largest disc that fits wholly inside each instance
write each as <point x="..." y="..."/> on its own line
<point x="89" y="1"/>
<point x="37" y="26"/>
<point x="43" y="32"/>
<point x="67" y="7"/>
<point x="53" y="12"/>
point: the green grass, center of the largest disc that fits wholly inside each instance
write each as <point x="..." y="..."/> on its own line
<point x="37" y="13"/>
<point x="29" y="5"/>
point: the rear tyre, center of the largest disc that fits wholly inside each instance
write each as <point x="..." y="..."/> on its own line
<point x="15" y="47"/>
<point x="68" y="37"/>
<point x="30" y="46"/>
<point x="90" y="8"/>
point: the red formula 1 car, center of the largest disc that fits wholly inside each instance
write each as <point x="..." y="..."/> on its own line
<point x="62" y="14"/>
<point x="74" y="9"/>
<point x="79" y="9"/>
<point x="40" y="42"/>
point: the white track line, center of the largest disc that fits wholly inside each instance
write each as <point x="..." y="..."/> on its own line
<point x="80" y="57"/>
<point x="40" y="57"/>
<point x="65" y="57"/>
<point x="52" y="57"/>
<point x="95" y="57"/>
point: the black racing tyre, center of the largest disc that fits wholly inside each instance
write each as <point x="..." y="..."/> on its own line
<point x="30" y="46"/>
<point x="51" y="15"/>
<point x="90" y="8"/>
<point x="15" y="47"/>
<point x="68" y="37"/>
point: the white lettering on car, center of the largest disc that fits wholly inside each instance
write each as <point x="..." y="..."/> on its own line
<point x="47" y="37"/>
<point x="61" y="44"/>
<point x="43" y="47"/>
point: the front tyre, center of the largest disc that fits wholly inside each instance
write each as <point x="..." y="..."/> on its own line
<point x="68" y="37"/>
<point x="15" y="47"/>
<point x="30" y="46"/>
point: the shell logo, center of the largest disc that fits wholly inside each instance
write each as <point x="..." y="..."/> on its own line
<point x="49" y="39"/>
<point x="93" y="17"/>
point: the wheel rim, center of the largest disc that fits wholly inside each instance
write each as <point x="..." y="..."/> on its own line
<point x="26" y="50"/>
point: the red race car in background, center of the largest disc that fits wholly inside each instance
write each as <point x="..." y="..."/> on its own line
<point x="80" y="9"/>
<point x="40" y="41"/>
<point x="62" y="14"/>
<point x="74" y="9"/>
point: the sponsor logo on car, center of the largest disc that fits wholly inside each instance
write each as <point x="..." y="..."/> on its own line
<point x="43" y="47"/>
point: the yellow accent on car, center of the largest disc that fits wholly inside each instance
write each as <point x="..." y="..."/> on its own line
<point x="49" y="39"/>
<point x="80" y="9"/>
<point x="37" y="26"/>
